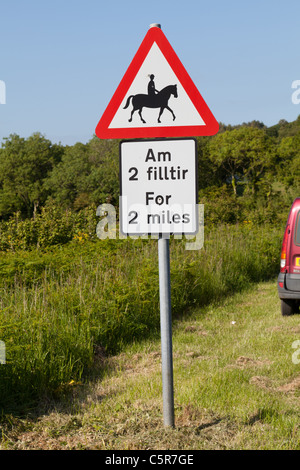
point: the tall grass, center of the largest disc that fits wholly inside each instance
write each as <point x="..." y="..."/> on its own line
<point x="57" y="307"/>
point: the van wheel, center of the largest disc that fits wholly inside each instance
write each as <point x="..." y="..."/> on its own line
<point x="288" y="307"/>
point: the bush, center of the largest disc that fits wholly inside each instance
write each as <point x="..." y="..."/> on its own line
<point x="53" y="226"/>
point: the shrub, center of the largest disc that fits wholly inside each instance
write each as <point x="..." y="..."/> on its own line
<point x="53" y="226"/>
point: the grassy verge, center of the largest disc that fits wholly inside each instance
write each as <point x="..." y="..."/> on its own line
<point x="236" y="387"/>
<point x="58" y="307"/>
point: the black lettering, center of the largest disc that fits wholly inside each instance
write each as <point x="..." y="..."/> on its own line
<point x="164" y="156"/>
<point x="150" y="156"/>
<point x="135" y="172"/>
<point x="149" y="197"/>
<point x="153" y="217"/>
<point x="133" y="220"/>
<point x="176" y="218"/>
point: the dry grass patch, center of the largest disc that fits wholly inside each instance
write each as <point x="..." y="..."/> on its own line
<point x="292" y="386"/>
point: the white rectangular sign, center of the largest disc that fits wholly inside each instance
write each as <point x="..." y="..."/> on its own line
<point x="158" y="186"/>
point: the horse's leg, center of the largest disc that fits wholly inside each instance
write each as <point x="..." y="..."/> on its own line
<point x="174" y="117"/>
<point x="133" y="109"/>
<point x="140" y="113"/>
<point x="160" y="113"/>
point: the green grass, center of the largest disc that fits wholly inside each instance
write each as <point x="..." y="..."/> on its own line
<point x="57" y="307"/>
<point x="236" y="387"/>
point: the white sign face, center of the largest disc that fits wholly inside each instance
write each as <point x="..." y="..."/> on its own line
<point x="156" y="74"/>
<point x="158" y="187"/>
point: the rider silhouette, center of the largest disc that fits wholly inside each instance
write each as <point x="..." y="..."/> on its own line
<point x="151" y="87"/>
<point x="154" y="99"/>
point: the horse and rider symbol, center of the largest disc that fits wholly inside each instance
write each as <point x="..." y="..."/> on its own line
<point x="154" y="99"/>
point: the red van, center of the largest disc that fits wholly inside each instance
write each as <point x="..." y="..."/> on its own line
<point x="289" y="277"/>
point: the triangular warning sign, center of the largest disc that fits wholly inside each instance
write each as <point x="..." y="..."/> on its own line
<point x="156" y="97"/>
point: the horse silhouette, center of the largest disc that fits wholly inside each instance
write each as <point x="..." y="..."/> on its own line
<point x="156" y="101"/>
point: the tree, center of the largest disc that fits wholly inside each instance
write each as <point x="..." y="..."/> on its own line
<point x="24" y="165"/>
<point x="87" y="174"/>
<point x="241" y="155"/>
<point x="288" y="165"/>
<point x="67" y="180"/>
<point x="104" y="178"/>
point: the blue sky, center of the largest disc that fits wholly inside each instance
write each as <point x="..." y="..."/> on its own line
<point x="62" y="60"/>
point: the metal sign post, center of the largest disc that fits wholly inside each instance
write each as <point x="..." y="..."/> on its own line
<point x="158" y="180"/>
<point x="166" y="330"/>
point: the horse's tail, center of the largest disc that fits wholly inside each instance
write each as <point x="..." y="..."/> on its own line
<point x="127" y="102"/>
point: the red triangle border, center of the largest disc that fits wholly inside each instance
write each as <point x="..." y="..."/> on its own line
<point x="211" y="126"/>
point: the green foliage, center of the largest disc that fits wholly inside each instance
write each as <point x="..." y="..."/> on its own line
<point x="58" y="306"/>
<point x="24" y="165"/>
<point x="66" y="182"/>
<point x="285" y="129"/>
<point x="52" y="226"/>
<point x="86" y="174"/>
<point x="242" y="155"/>
<point x="64" y="292"/>
<point x="249" y="161"/>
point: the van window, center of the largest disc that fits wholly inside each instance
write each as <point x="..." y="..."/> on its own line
<point x="297" y="230"/>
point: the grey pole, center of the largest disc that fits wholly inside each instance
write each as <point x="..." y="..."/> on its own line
<point x="166" y="330"/>
<point x="165" y="322"/>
